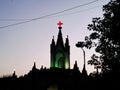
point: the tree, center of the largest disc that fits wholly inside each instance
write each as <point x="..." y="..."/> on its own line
<point x="105" y="37"/>
<point x="94" y="61"/>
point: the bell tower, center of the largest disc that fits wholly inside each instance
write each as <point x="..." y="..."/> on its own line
<point x="60" y="52"/>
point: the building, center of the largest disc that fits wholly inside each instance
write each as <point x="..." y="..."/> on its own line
<point x="60" y="51"/>
<point x="59" y="76"/>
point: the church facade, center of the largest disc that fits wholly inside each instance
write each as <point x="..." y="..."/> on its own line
<point x="60" y="51"/>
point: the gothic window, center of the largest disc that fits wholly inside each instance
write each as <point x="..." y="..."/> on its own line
<point x="60" y="60"/>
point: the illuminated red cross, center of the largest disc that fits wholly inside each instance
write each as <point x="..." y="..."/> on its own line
<point x="59" y="24"/>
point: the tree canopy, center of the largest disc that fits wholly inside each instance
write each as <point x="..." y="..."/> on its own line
<point x="105" y="37"/>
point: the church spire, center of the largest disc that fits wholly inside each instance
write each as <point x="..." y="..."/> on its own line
<point x="67" y="41"/>
<point x="60" y="51"/>
<point x="75" y="66"/>
<point x="34" y="66"/>
<point x="53" y="42"/>
<point x="60" y="39"/>
<point x="14" y="74"/>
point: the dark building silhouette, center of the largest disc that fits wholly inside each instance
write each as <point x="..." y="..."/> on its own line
<point x="60" y="52"/>
<point x="59" y="76"/>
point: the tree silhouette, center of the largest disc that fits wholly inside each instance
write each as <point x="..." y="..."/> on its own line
<point x="105" y="37"/>
<point x="94" y="61"/>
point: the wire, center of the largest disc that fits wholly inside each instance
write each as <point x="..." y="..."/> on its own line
<point x="13" y="19"/>
<point x="56" y="15"/>
<point x="42" y="17"/>
<point x="84" y="10"/>
<point x="77" y="11"/>
<point x="53" y="13"/>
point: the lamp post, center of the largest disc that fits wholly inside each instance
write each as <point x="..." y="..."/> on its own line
<point x="84" y="66"/>
<point x="81" y="45"/>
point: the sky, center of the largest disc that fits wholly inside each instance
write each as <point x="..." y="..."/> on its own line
<point x="22" y="44"/>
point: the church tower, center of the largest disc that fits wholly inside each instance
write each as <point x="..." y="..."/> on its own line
<point x="60" y="51"/>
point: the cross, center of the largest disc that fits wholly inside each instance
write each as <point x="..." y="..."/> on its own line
<point x="59" y="24"/>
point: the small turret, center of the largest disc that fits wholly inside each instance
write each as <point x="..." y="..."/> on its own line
<point x="75" y="66"/>
<point x="53" y="42"/>
<point x="67" y="42"/>
<point x="34" y="66"/>
<point x="14" y="75"/>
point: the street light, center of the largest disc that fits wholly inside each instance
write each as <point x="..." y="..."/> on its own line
<point x="81" y="45"/>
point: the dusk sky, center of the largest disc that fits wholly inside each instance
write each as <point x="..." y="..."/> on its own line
<point x="22" y="44"/>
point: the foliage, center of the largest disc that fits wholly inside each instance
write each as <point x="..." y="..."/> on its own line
<point x="94" y="61"/>
<point x="105" y="37"/>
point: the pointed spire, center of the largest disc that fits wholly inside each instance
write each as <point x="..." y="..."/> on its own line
<point x="53" y="42"/>
<point x="60" y="38"/>
<point x="75" y="66"/>
<point x="34" y="66"/>
<point x="60" y="32"/>
<point x="67" y="41"/>
<point x="14" y="74"/>
<point x="67" y="36"/>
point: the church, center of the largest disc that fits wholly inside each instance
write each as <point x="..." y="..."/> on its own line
<point x="58" y="77"/>
<point x="60" y="51"/>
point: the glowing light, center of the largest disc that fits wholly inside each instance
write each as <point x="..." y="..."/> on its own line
<point x="59" y="24"/>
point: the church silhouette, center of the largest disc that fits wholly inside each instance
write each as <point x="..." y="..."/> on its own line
<point x="58" y="77"/>
<point x="60" y="52"/>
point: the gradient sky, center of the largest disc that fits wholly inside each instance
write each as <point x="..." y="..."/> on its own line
<point x="23" y="44"/>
